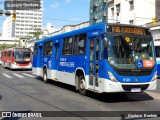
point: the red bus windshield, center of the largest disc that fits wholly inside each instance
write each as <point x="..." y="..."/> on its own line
<point x="21" y="55"/>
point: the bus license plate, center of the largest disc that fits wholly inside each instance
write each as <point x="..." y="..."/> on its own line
<point x="136" y="90"/>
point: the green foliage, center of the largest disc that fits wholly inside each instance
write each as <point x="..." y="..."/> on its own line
<point x="37" y="32"/>
<point x="5" y="46"/>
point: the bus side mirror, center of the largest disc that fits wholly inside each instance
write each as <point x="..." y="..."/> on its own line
<point x="105" y="42"/>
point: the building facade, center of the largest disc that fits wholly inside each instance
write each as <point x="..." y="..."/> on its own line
<point x="68" y="28"/>
<point x="8" y="41"/>
<point x="48" y="30"/>
<point x="26" y="22"/>
<point x="7" y="27"/>
<point x="137" y="12"/>
<point x="51" y="30"/>
<point x="155" y="30"/>
<point x="98" y="11"/>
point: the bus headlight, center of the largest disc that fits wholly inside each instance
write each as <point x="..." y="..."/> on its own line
<point x="112" y="77"/>
<point x="154" y="77"/>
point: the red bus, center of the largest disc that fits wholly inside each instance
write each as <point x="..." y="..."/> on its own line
<point x="16" y="58"/>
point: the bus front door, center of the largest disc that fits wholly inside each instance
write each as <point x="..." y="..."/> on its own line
<point x="93" y="66"/>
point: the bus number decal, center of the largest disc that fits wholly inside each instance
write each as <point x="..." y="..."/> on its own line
<point x="126" y="79"/>
<point x="63" y="59"/>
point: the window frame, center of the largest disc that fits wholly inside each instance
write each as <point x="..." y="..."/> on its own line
<point x="48" y="46"/>
<point x="67" y="46"/>
<point x="76" y="43"/>
<point x="131" y="3"/>
<point x="35" y="50"/>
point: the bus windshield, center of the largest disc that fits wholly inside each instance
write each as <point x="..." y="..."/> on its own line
<point x="22" y="56"/>
<point x="130" y="52"/>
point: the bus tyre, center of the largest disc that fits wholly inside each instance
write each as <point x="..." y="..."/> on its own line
<point x="81" y="84"/>
<point x="45" y="76"/>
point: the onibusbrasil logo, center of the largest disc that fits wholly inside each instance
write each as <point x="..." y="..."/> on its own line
<point x="21" y="114"/>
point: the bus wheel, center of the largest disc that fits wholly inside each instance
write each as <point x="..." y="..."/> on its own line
<point x="81" y="86"/>
<point x="45" y="76"/>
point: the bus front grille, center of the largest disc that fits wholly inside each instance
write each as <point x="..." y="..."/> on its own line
<point x="129" y="73"/>
<point x="129" y="87"/>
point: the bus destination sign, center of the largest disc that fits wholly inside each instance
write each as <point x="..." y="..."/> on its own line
<point x="22" y="49"/>
<point x="128" y="30"/>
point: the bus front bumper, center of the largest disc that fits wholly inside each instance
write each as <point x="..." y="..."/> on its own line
<point x="14" y="66"/>
<point x="110" y="86"/>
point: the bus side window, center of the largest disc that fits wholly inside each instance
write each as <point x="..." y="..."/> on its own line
<point x="8" y="53"/>
<point x="35" y="50"/>
<point x="68" y="46"/>
<point x="12" y="53"/>
<point x="47" y="48"/>
<point x="80" y="44"/>
<point x="5" y="54"/>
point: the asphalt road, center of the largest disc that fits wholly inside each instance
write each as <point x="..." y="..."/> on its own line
<point x="23" y="91"/>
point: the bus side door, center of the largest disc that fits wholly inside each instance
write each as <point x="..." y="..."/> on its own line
<point x="93" y="62"/>
<point x="56" y="59"/>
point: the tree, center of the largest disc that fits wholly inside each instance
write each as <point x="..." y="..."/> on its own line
<point x="37" y="32"/>
<point x="5" y="46"/>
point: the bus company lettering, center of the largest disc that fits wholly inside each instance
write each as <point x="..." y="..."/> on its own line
<point x="67" y="64"/>
<point x="94" y="33"/>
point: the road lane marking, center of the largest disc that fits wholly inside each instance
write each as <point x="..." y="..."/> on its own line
<point x="18" y="75"/>
<point x="28" y="75"/>
<point x="6" y="75"/>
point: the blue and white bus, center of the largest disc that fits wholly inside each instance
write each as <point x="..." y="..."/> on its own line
<point x="100" y="58"/>
<point x="157" y="49"/>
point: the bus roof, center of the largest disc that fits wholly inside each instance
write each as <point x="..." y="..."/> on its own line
<point x="78" y="31"/>
<point x="82" y="30"/>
